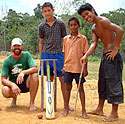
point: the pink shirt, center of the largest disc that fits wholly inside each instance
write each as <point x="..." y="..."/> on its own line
<point x="73" y="50"/>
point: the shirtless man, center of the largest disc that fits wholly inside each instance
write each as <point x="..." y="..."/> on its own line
<point x="110" y="73"/>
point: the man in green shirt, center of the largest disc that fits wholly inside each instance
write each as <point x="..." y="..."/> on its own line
<point x="21" y="70"/>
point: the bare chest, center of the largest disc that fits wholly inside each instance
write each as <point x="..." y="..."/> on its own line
<point x="100" y="32"/>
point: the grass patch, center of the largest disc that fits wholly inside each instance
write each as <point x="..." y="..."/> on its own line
<point x="94" y="59"/>
<point x="93" y="68"/>
<point x="0" y="67"/>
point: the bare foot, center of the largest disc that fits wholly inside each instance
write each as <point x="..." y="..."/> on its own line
<point x="111" y="118"/>
<point x="96" y="112"/>
<point x="65" y="113"/>
<point x="0" y="108"/>
<point x="32" y="107"/>
<point x="13" y="103"/>
<point x="84" y="115"/>
<point x="71" y="108"/>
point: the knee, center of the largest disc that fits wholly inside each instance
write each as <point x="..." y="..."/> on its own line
<point x="6" y="91"/>
<point x="68" y="87"/>
<point x="81" y="89"/>
<point x="34" y="78"/>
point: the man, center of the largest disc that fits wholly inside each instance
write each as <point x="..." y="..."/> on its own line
<point x="22" y="72"/>
<point x="51" y="33"/>
<point x="110" y="74"/>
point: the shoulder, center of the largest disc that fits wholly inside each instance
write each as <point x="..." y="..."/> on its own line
<point x="42" y="24"/>
<point x="60" y="22"/>
<point x="104" y="20"/>
<point x="82" y="36"/>
<point x="66" y="37"/>
<point x="7" y="59"/>
<point x="26" y="53"/>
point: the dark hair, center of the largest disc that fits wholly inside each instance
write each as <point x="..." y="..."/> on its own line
<point x="84" y="7"/>
<point x="75" y="19"/>
<point x="47" y="4"/>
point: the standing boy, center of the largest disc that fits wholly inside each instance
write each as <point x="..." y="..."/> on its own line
<point x="110" y="73"/>
<point x="22" y="72"/>
<point x="51" y="32"/>
<point x="74" y="47"/>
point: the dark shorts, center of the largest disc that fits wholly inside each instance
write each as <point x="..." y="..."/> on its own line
<point x="23" y="86"/>
<point x="59" y="63"/>
<point x="110" y="80"/>
<point x="68" y="77"/>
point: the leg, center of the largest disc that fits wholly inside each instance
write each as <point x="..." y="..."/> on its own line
<point x="114" y="114"/>
<point x="82" y="98"/>
<point x="7" y="93"/>
<point x="101" y="91"/>
<point x="67" y="94"/>
<point x="99" y="109"/>
<point x="32" y="84"/>
<point x="63" y="87"/>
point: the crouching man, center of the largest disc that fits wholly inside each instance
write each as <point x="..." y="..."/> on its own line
<point x="22" y="74"/>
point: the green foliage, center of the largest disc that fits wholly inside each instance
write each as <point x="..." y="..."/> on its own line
<point x="94" y="59"/>
<point x="26" y="27"/>
<point x="37" y="12"/>
<point x="0" y="67"/>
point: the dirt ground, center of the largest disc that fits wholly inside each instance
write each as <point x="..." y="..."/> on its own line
<point x="22" y="115"/>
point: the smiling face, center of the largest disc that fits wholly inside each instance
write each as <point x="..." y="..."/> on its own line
<point x="88" y="16"/>
<point x="17" y="49"/>
<point x="73" y="26"/>
<point x="48" y="12"/>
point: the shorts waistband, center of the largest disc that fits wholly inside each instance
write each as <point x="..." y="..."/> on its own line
<point x="106" y="53"/>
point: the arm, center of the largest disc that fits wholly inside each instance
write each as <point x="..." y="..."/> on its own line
<point x="40" y="46"/>
<point x="119" y="33"/>
<point x="63" y="51"/>
<point x="13" y="86"/>
<point x="29" y="71"/>
<point x="91" y="49"/>
<point x="85" y="71"/>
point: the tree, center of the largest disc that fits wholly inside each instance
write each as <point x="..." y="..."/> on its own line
<point x="37" y="12"/>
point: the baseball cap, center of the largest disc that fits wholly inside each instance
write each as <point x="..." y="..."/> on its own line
<point x="16" y="41"/>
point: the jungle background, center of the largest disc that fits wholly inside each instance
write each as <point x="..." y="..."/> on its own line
<point x="25" y="26"/>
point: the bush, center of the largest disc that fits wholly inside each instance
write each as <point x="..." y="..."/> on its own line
<point x="94" y="59"/>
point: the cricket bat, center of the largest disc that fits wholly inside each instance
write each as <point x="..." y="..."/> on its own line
<point x="49" y="96"/>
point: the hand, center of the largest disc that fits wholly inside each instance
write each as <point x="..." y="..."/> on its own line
<point x="85" y="73"/>
<point x="20" y="78"/>
<point x="84" y="59"/>
<point x="15" y="89"/>
<point x="63" y="71"/>
<point x="112" y="54"/>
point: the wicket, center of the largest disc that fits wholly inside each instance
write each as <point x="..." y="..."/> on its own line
<point x="42" y="82"/>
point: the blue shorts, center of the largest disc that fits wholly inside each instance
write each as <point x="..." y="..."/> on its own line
<point x="68" y="77"/>
<point x="59" y="63"/>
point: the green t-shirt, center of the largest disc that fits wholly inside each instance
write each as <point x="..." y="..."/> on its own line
<point x="12" y="66"/>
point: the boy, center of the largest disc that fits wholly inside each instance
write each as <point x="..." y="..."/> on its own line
<point x="51" y="32"/>
<point x="110" y="73"/>
<point x="22" y="72"/>
<point x="74" y="47"/>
